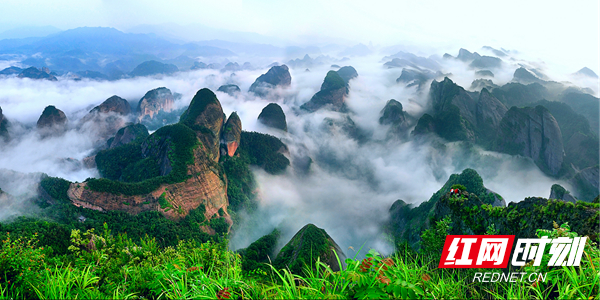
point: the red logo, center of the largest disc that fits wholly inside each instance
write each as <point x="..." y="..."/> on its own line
<point x="476" y="251"/>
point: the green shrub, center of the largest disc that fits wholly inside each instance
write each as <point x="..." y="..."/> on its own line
<point x="263" y="150"/>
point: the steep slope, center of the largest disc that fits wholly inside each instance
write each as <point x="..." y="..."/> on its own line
<point x="3" y="127"/>
<point x="205" y="116"/>
<point x="53" y="121"/>
<point x="155" y="101"/>
<point x="232" y="132"/>
<point x="128" y="134"/>
<point x="308" y="244"/>
<point x="534" y="133"/>
<point x="273" y="116"/>
<point x="332" y="94"/>
<point x="277" y="76"/>
<point x="407" y="222"/>
<point x="172" y="171"/>
<point x="229" y="89"/>
<point x="105" y="119"/>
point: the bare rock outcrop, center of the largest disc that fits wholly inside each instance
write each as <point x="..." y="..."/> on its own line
<point x="155" y="101"/>
<point x="277" y="76"/>
<point x="205" y="116"/>
<point x="232" y="132"/>
<point x="3" y="127"/>
<point x="534" y="133"/>
<point x="53" y="121"/>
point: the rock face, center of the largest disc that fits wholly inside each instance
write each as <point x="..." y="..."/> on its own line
<point x="35" y="73"/>
<point x="412" y="77"/>
<point x="454" y="110"/>
<point x="273" y="116"/>
<point x="113" y="104"/>
<point x="306" y="246"/>
<point x="457" y="116"/>
<point x="3" y="127"/>
<point x="153" y="67"/>
<point x="230" y="89"/>
<point x="347" y="73"/>
<point x="489" y="113"/>
<point x="560" y="193"/>
<point x="277" y="76"/>
<point x="156" y="100"/>
<point x="105" y="119"/>
<point x="587" y="184"/>
<point x="534" y="133"/>
<point x="479" y="84"/>
<point x="393" y="115"/>
<point x="52" y="121"/>
<point x="128" y="134"/>
<point x="205" y="116"/>
<point x="425" y="125"/>
<point x="465" y="55"/>
<point x="332" y="94"/>
<point x="197" y="180"/>
<point x="523" y="76"/>
<point x="203" y="187"/>
<point x="232" y="132"/>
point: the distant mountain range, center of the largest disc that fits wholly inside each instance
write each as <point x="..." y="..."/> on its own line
<point x="101" y="49"/>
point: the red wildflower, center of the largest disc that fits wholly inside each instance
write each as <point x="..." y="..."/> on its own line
<point x="223" y="294"/>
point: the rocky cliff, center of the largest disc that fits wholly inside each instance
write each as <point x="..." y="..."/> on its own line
<point x="205" y="116"/>
<point x="560" y="193"/>
<point x="277" y="76"/>
<point x="53" y="121"/>
<point x="489" y="113"/>
<point x="273" y="116"/>
<point x="534" y="133"/>
<point x="229" y="89"/>
<point x="184" y="158"/>
<point x="128" y="134"/>
<point x="332" y="94"/>
<point x="347" y="73"/>
<point x="3" y="127"/>
<point x="476" y="210"/>
<point x="232" y="132"/>
<point x="393" y="115"/>
<point x="155" y="101"/>
<point x="105" y="119"/>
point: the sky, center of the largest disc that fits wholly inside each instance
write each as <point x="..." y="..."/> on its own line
<point x="560" y="32"/>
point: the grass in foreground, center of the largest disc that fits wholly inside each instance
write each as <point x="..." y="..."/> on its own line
<point x="104" y="266"/>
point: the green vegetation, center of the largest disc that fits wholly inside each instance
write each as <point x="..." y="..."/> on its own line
<point x="263" y="150"/>
<point x="103" y="265"/>
<point x="180" y="141"/>
<point x="332" y="81"/>
<point x="201" y="100"/>
<point x="450" y="125"/>
<point x="304" y="248"/>
<point x="111" y="162"/>
<point x="260" y="252"/>
<point x="240" y="182"/>
<point x="55" y="187"/>
<point x="516" y="94"/>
